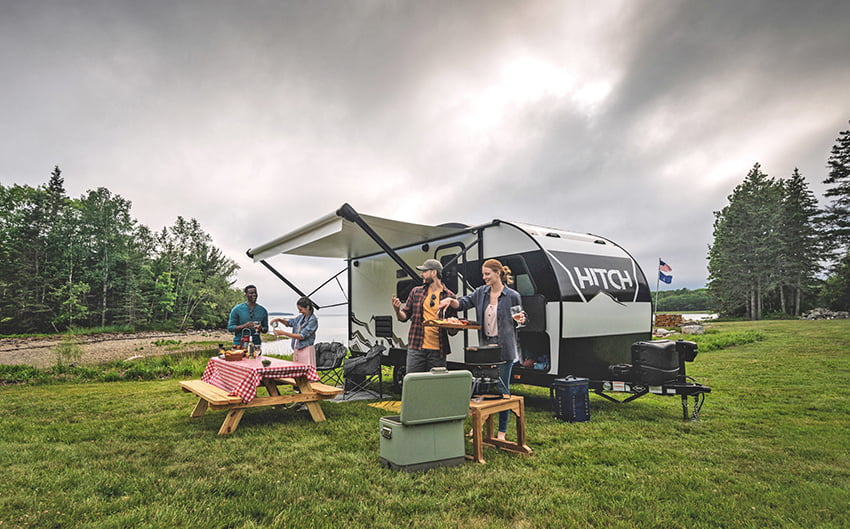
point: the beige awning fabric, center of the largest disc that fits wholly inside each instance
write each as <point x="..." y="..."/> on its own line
<point x="334" y="236"/>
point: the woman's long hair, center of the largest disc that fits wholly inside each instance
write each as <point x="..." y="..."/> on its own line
<point x="503" y="271"/>
<point x="304" y="302"/>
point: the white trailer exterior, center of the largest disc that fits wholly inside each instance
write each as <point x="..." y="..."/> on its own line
<point x="586" y="297"/>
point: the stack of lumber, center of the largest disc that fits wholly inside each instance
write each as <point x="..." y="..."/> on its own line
<point x="669" y="320"/>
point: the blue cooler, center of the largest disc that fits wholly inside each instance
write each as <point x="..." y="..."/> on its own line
<point x="570" y="399"/>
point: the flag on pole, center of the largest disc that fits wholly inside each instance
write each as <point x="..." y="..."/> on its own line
<point x="664" y="267"/>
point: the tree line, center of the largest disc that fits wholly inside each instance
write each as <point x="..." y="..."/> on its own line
<point x="776" y="251"/>
<point x="86" y="262"/>
<point x="683" y="299"/>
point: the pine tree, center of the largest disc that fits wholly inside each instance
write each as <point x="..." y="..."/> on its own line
<point x="838" y="213"/>
<point x="800" y="241"/>
<point x="743" y="258"/>
<point x="836" y="290"/>
<point x="56" y="192"/>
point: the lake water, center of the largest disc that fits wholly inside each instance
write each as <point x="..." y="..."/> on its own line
<point x="699" y="317"/>
<point x="332" y="328"/>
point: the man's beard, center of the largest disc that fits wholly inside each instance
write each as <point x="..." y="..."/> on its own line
<point x="427" y="281"/>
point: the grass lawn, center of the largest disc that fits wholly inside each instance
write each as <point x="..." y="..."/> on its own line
<point x="772" y="449"/>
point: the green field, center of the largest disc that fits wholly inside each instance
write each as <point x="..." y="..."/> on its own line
<point x="772" y="449"/>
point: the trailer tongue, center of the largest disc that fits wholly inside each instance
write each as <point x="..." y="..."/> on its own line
<point x="659" y="368"/>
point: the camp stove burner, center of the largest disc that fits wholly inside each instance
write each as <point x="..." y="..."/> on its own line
<point x="484" y="363"/>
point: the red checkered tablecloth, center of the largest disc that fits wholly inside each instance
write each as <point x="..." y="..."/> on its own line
<point x="243" y="377"/>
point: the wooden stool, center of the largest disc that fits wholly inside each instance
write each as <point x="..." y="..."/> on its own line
<point x="482" y="412"/>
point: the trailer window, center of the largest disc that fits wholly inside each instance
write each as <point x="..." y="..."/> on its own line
<point x="523" y="283"/>
<point x="403" y="288"/>
<point x="450" y="267"/>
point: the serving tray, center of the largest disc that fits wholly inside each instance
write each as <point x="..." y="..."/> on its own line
<point x="446" y="325"/>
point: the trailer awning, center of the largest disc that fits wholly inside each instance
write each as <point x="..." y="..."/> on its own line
<point x="335" y="236"/>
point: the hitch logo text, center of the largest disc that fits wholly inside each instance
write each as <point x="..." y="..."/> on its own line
<point x="603" y="277"/>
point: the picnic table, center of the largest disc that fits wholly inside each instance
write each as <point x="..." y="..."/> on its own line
<point x="232" y="386"/>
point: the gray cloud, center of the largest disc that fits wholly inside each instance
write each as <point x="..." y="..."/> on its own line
<point x="632" y="120"/>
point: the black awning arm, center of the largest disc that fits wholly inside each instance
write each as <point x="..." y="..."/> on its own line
<point x="466" y="286"/>
<point x="348" y="213"/>
<point x="288" y="282"/>
<point x="335" y="305"/>
<point x="328" y="281"/>
<point x="462" y="253"/>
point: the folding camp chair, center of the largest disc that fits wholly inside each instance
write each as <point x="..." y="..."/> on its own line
<point x="329" y="357"/>
<point x="362" y="371"/>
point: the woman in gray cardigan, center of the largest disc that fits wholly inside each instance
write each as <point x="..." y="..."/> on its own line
<point x="493" y="302"/>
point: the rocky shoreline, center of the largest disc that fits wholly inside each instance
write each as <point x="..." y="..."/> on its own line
<point x="100" y="348"/>
<point x="825" y="314"/>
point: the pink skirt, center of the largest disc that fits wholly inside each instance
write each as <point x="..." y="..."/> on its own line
<point x="305" y="355"/>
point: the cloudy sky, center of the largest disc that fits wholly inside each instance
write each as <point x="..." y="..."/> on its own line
<point x="630" y="119"/>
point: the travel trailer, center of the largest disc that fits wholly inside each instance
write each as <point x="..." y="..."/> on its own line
<point x="587" y="300"/>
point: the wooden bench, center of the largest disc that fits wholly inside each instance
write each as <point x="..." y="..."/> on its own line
<point x="210" y="396"/>
<point x="322" y="389"/>
<point x="326" y="390"/>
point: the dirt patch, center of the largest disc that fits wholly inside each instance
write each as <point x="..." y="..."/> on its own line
<point x="100" y="348"/>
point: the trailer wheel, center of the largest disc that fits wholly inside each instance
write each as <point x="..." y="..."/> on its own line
<point x="399" y="371"/>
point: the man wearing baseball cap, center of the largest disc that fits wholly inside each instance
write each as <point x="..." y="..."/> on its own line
<point x="427" y="347"/>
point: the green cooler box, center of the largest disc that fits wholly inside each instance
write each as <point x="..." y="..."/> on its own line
<point x="429" y="431"/>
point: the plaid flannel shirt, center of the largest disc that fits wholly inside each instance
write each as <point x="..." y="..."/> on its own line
<point x="413" y="311"/>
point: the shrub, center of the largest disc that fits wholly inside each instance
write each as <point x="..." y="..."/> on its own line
<point x="778" y="315"/>
<point x="19" y="374"/>
<point x="713" y="340"/>
<point x="68" y="349"/>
